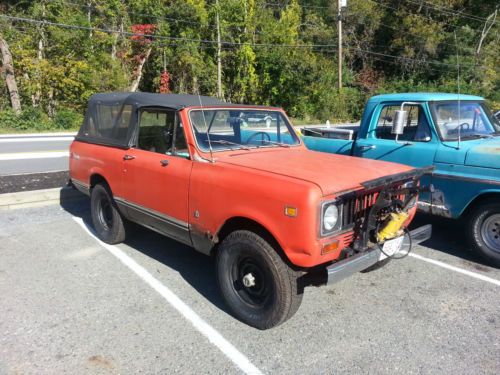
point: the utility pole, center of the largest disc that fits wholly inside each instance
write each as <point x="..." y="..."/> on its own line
<point x="340" y="5"/>
<point x="219" y="60"/>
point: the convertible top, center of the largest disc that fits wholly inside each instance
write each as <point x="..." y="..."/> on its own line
<point x="111" y="118"/>
<point x="146" y="99"/>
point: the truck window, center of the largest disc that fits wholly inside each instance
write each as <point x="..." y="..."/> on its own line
<point x="114" y="121"/>
<point x="416" y="128"/>
<point x="156" y="133"/>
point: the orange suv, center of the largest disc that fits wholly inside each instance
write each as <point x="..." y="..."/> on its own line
<point x="235" y="181"/>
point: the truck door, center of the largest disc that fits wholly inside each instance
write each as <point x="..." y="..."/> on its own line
<point x="416" y="146"/>
<point x="156" y="174"/>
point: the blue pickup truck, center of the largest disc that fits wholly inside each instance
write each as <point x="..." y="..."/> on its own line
<point x="457" y="134"/>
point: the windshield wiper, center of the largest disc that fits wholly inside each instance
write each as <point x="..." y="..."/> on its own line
<point x="276" y="143"/>
<point x="478" y="136"/>
<point x="228" y="143"/>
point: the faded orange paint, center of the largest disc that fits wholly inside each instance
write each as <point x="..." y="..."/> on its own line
<point x="256" y="184"/>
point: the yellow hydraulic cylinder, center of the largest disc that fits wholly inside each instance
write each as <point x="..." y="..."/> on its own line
<point x="393" y="226"/>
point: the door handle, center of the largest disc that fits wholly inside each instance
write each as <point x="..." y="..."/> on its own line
<point x="164" y="162"/>
<point x="128" y="157"/>
<point x="367" y="147"/>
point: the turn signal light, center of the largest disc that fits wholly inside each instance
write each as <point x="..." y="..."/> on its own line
<point x="291" y="211"/>
<point x="330" y="247"/>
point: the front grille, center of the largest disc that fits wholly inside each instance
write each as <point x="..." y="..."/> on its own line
<point x="356" y="207"/>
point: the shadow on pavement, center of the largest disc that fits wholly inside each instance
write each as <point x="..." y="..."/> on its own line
<point x="199" y="270"/>
<point x="448" y="236"/>
<point x="195" y="268"/>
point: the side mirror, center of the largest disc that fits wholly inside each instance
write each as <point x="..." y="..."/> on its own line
<point x="399" y="122"/>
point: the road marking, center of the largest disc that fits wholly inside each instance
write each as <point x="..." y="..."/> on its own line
<point x="38" y="139"/>
<point x="203" y="327"/>
<point x="34" y="155"/>
<point x="457" y="269"/>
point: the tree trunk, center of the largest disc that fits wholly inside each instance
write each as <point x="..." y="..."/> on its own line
<point x="486" y="29"/>
<point x="138" y="75"/>
<point x="51" y="108"/>
<point x="10" y="77"/>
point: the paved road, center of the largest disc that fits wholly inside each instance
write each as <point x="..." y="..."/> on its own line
<point x="71" y="305"/>
<point x="33" y="153"/>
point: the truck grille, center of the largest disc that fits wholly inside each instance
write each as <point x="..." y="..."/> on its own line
<point x="356" y="207"/>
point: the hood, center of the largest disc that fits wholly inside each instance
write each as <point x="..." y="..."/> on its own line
<point x="330" y="172"/>
<point x="486" y="154"/>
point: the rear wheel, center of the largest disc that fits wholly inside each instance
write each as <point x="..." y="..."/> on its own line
<point x="108" y="222"/>
<point x="483" y="230"/>
<point x="257" y="285"/>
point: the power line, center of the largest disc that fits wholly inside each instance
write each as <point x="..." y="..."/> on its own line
<point x="449" y="11"/>
<point x="225" y="43"/>
<point x="160" y="37"/>
<point x="454" y="27"/>
<point x="408" y="58"/>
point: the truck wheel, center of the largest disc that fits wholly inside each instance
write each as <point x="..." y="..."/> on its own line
<point x="483" y="230"/>
<point x="257" y="285"/>
<point x="107" y="220"/>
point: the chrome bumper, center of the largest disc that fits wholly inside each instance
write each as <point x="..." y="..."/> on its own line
<point x="361" y="261"/>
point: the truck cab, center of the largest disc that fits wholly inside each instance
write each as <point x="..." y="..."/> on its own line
<point x="457" y="134"/>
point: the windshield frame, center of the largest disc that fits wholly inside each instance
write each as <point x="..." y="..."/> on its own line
<point x="495" y="124"/>
<point x="244" y="147"/>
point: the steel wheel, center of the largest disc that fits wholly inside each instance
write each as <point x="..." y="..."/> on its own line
<point x="483" y="231"/>
<point x="257" y="285"/>
<point x="490" y="232"/>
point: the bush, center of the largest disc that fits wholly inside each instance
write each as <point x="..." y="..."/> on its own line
<point x="33" y="118"/>
<point x="29" y="119"/>
<point x="8" y="119"/>
<point x="67" y="119"/>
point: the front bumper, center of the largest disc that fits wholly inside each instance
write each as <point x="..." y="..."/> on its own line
<point x="361" y="261"/>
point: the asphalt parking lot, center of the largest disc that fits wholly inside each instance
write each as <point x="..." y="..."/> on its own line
<point x="71" y="305"/>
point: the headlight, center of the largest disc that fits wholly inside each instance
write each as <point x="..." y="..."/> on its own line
<point x="330" y="217"/>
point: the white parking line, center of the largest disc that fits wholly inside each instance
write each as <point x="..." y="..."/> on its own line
<point x="37" y="139"/>
<point x="34" y="155"/>
<point x="457" y="269"/>
<point x="203" y="327"/>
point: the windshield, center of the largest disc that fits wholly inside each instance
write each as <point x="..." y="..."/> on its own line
<point x="470" y="120"/>
<point x="230" y="129"/>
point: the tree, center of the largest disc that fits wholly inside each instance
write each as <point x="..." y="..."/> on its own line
<point x="10" y="77"/>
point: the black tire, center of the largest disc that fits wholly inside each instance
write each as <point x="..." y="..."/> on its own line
<point x="108" y="222"/>
<point x="244" y="257"/>
<point x="377" y="266"/>
<point x="483" y="231"/>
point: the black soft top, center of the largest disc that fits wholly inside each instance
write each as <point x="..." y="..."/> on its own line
<point x="146" y="99"/>
<point x="111" y="118"/>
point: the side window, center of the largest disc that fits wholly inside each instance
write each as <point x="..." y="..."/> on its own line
<point x="113" y="121"/>
<point x="416" y="128"/>
<point x="157" y="129"/>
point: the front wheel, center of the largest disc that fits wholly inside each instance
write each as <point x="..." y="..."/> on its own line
<point x="257" y="285"/>
<point x="483" y="229"/>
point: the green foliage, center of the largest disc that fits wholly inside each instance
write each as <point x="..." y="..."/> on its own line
<point x="270" y="53"/>
<point x="29" y="118"/>
<point x="66" y="119"/>
<point x="34" y="118"/>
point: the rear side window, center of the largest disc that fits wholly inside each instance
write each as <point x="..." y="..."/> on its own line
<point x="108" y="123"/>
<point x="416" y="127"/>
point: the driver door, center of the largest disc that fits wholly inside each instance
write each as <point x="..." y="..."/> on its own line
<point x="156" y="174"/>
<point x="415" y="147"/>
